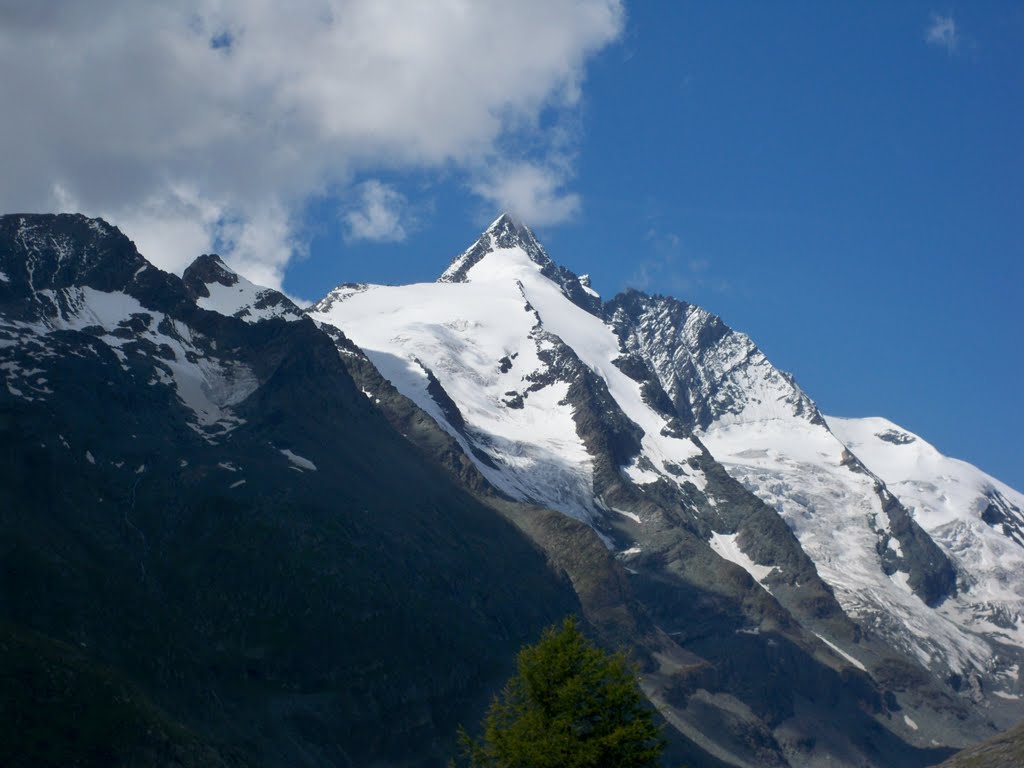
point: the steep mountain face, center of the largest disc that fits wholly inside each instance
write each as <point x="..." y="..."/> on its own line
<point x="208" y="510"/>
<point x="896" y="529"/>
<point x="680" y="444"/>
<point x="712" y="374"/>
<point x="271" y="520"/>
<point x="976" y="520"/>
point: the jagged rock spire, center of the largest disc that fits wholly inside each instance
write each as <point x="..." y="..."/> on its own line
<point x="505" y="232"/>
<point x="508" y="232"/>
<point x="207" y="269"/>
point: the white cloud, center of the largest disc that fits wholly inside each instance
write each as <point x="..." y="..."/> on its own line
<point x="942" y="32"/>
<point x="261" y="242"/>
<point x="204" y="123"/>
<point x="532" y="192"/>
<point x="380" y="214"/>
<point x="172" y="226"/>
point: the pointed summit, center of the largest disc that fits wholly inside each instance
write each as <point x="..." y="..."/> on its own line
<point x="506" y="233"/>
<point x="207" y="270"/>
<point x="216" y="287"/>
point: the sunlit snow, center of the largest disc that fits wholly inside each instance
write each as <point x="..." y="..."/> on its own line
<point x="242" y="299"/>
<point x="726" y="547"/>
<point x="841" y="652"/>
<point x="460" y="332"/>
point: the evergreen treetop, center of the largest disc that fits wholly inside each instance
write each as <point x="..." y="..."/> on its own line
<point x="570" y="705"/>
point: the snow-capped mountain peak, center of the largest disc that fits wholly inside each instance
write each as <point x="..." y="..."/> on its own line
<point x="509" y="353"/>
<point x="495" y="353"/>
<point x="506" y="237"/>
<point x="216" y="287"/>
<point x="504" y="233"/>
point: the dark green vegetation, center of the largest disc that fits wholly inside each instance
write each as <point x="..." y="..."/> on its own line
<point x="570" y="705"/>
<point x="1003" y="751"/>
<point x="60" y="708"/>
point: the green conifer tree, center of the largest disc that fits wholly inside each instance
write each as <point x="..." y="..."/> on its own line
<point x="570" y="705"/>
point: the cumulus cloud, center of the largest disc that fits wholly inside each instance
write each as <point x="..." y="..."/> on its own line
<point x="533" y="192"/>
<point x="209" y="122"/>
<point x="379" y="214"/>
<point x="942" y="32"/>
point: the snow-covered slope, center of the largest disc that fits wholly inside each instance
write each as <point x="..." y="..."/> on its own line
<point x="495" y="352"/>
<point x="954" y="603"/>
<point x="839" y="515"/>
<point x="219" y="289"/>
<point x="976" y="519"/>
<point x="942" y="493"/>
<point x="860" y="518"/>
<point x="491" y="352"/>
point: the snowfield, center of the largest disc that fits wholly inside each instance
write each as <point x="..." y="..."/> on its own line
<point x="461" y="332"/>
<point x="475" y="349"/>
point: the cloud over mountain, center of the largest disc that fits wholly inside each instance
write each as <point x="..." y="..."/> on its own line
<point x="206" y="124"/>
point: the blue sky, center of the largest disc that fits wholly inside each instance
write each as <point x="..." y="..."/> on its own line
<point x="821" y="175"/>
<point x="840" y="180"/>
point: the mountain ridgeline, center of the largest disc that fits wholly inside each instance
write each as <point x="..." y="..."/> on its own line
<point x="285" y="537"/>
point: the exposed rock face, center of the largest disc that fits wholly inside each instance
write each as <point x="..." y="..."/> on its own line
<point x="207" y="270"/>
<point x="215" y="287"/>
<point x="710" y="372"/>
<point x="1004" y="516"/>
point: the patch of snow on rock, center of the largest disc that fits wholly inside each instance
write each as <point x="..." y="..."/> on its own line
<point x="726" y="547"/>
<point x="299" y="461"/>
<point x="842" y="653"/>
